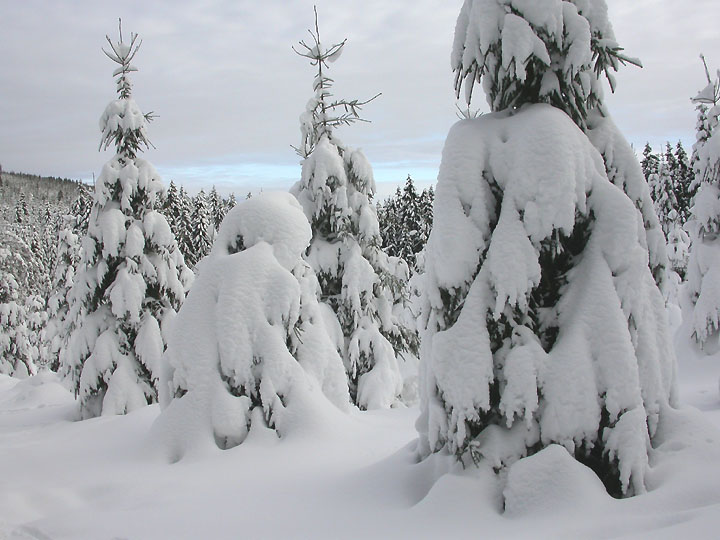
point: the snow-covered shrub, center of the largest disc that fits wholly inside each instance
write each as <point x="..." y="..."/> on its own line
<point x="356" y="276"/>
<point x="543" y="322"/>
<point x="250" y="343"/>
<point x="131" y="276"/>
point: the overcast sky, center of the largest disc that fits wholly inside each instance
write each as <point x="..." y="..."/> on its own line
<point x="228" y="90"/>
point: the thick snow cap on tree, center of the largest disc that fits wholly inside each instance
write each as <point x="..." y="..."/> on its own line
<point x="537" y="51"/>
<point x="543" y="322"/>
<point x="249" y="345"/>
<point x="555" y="52"/>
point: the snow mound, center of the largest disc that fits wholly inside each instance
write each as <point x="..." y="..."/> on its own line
<point x="551" y="480"/>
<point x="265" y="219"/>
<point x="249" y="347"/>
<point x="38" y="391"/>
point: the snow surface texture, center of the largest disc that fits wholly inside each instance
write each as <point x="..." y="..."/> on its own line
<point x="514" y="189"/>
<point x="360" y="283"/>
<point x="102" y="478"/>
<point x="249" y="349"/>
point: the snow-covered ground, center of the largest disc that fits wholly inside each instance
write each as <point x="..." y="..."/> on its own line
<point x="349" y="476"/>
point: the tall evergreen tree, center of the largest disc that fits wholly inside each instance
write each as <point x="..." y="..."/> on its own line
<point x="80" y="209"/>
<point x="662" y="189"/>
<point x="171" y="207"/>
<point x="649" y="162"/>
<point x="230" y="202"/>
<point x="201" y="228"/>
<point x="216" y="209"/>
<point x="684" y="180"/>
<point x="67" y="261"/>
<point x="21" y="209"/>
<point x="405" y="222"/>
<point x="16" y="354"/>
<point x="704" y="265"/>
<point x="132" y="275"/>
<point x="544" y="324"/>
<point x="355" y="275"/>
<point x="184" y="234"/>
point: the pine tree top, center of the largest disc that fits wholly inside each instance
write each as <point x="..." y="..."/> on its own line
<point x="322" y="113"/>
<point x="123" y="123"/>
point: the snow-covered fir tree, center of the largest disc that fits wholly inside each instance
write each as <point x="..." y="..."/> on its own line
<point x="405" y="222"/>
<point x="16" y="354"/>
<point x="663" y="193"/>
<point x="132" y="276"/>
<point x="216" y="209"/>
<point x="704" y="265"/>
<point x="650" y="162"/>
<point x="37" y="320"/>
<point x="666" y="195"/>
<point x="21" y="209"/>
<point x="230" y="202"/>
<point x="171" y="207"/>
<point x="67" y="261"/>
<point x="250" y="347"/>
<point x="183" y="228"/>
<point x="80" y="209"/>
<point x="357" y="278"/>
<point x="200" y="229"/>
<point x="677" y="165"/>
<point x="684" y="182"/>
<point x="544" y="323"/>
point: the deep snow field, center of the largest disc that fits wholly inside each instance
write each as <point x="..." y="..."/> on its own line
<point x="351" y="476"/>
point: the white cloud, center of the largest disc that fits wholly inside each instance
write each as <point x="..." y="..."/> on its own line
<point x="228" y="89"/>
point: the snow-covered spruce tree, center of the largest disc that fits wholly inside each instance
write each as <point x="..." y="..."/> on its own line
<point x="357" y="279"/>
<point x="544" y="324"/>
<point x="389" y="219"/>
<point x="704" y="265"/>
<point x="171" y="207"/>
<point x="200" y="229"/>
<point x="16" y="354"/>
<point x="216" y="209"/>
<point x="132" y="276"/>
<point x="37" y="319"/>
<point x="80" y="210"/>
<point x="183" y="228"/>
<point x="21" y="209"/>
<point x="663" y="193"/>
<point x="650" y="162"/>
<point x="250" y="347"/>
<point x="684" y="182"/>
<point x="666" y="193"/>
<point x="67" y="261"/>
<point x="230" y="202"/>
<point x="405" y="222"/>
